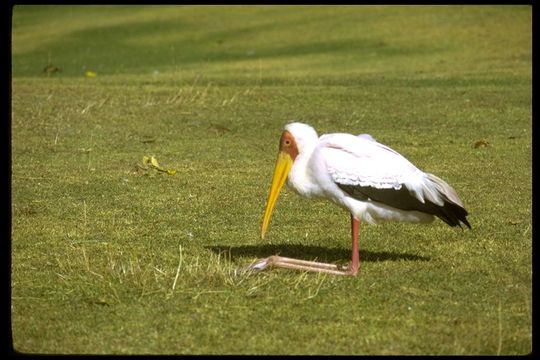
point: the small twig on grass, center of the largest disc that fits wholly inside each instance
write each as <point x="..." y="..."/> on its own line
<point x="84" y="216"/>
<point x="86" y="263"/>
<point x="180" y="259"/>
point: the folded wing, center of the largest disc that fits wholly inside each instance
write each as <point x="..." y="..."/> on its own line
<point x="369" y="171"/>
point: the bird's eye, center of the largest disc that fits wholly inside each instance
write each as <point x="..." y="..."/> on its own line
<point x="288" y="142"/>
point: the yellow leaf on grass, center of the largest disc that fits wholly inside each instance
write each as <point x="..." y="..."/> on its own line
<point x="154" y="162"/>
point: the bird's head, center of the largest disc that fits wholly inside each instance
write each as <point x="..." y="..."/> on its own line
<point x="295" y="139"/>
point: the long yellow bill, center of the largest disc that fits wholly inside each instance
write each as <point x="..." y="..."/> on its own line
<point x="283" y="166"/>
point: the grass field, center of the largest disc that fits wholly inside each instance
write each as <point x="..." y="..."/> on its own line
<point x="110" y="256"/>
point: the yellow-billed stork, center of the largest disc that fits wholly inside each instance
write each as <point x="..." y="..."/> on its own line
<point x="368" y="179"/>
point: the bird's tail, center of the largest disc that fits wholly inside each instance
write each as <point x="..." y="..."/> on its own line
<point x="450" y="207"/>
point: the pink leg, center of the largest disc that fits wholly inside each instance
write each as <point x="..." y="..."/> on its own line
<point x="355" y="262"/>
<point x="290" y="263"/>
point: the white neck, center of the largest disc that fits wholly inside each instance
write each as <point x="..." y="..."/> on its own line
<point x="299" y="179"/>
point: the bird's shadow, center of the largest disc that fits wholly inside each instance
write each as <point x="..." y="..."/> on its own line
<point x="310" y="252"/>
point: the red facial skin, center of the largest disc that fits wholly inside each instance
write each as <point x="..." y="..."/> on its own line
<point x="287" y="144"/>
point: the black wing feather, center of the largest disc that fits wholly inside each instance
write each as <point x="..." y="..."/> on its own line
<point x="450" y="212"/>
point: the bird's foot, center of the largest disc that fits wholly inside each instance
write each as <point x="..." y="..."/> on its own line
<point x="262" y="264"/>
<point x="351" y="270"/>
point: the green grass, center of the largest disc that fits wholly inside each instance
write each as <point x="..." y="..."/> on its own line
<point x="111" y="258"/>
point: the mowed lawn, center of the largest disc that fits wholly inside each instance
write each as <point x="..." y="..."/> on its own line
<point x="110" y="255"/>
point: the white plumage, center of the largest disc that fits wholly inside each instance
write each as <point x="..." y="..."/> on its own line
<point x="361" y="163"/>
<point x="370" y="180"/>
